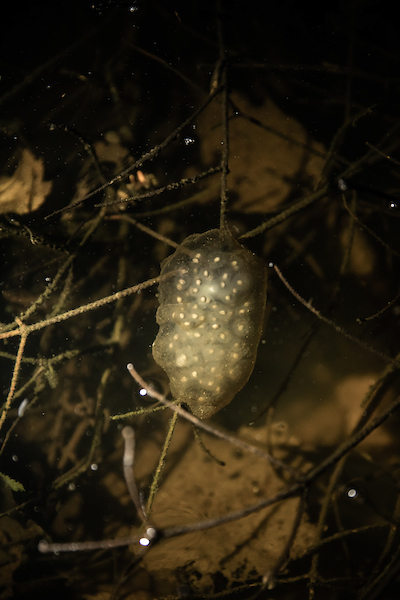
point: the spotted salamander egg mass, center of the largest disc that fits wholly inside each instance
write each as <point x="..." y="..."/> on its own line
<point x="212" y="296"/>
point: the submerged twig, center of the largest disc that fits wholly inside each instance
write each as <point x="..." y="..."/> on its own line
<point x="331" y="323"/>
<point x="128" y="461"/>
<point x="208" y="428"/>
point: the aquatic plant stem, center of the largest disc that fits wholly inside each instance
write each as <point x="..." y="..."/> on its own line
<point x="157" y="475"/>
<point x="80" y="310"/>
<point x="16" y="370"/>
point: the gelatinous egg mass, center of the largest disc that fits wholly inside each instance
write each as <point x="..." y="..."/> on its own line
<point x="212" y="297"/>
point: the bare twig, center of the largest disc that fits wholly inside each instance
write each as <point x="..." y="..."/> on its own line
<point x="208" y="428"/>
<point x="331" y="323"/>
<point x="81" y="309"/>
<point x="147" y="156"/>
<point x="128" y="462"/>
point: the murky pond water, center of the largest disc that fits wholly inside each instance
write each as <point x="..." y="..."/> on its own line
<point x="137" y="125"/>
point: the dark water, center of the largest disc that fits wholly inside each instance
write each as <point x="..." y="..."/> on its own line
<point x="87" y="89"/>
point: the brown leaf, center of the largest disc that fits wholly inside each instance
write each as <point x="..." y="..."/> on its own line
<point x="26" y="190"/>
<point x="264" y="167"/>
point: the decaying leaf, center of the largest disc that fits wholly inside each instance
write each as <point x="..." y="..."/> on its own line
<point x="26" y="190"/>
<point x="266" y="162"/>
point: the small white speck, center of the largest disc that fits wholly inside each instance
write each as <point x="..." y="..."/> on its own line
<point x="205" y="273"/>
<point x="203" y="299"/>
<point x="217" y="259"/>
<point x="227" y="297"/>
<point x="150" y="535"/>
<point x="225" y="276"/>
<point x="144" y="541"/>
<point x="195" y="260"/>
<point x="222" y="284"/>
<point x="194" y="373"/>
<point x="215" y="326"/>
<point x="198" y="281"/>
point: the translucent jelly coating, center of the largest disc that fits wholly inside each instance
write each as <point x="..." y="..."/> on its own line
<point x="210" y="316"/>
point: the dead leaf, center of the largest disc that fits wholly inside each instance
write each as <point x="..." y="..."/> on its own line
<point x="265" y="162"/>
<point x="26" y="190"/>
